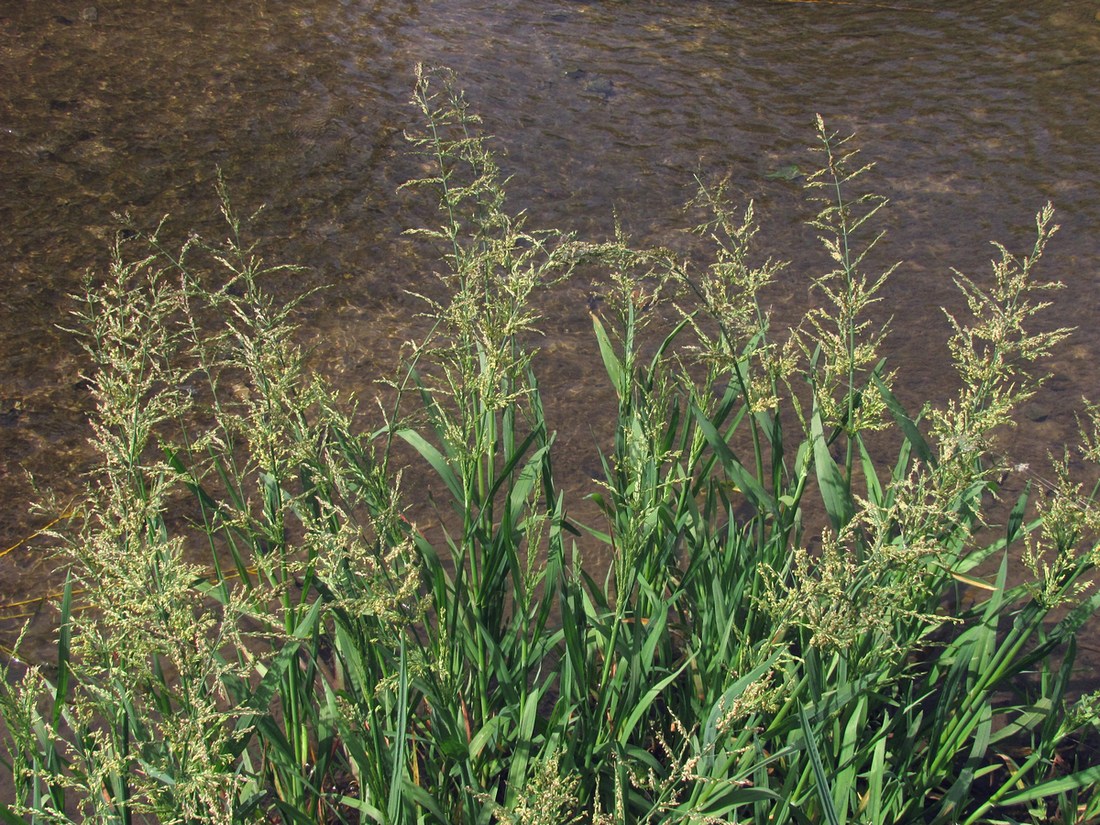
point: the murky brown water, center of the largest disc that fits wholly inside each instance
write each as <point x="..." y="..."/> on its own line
<point x="977" y="113"/>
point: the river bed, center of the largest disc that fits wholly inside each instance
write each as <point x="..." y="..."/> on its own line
<point x="976" y="114"/>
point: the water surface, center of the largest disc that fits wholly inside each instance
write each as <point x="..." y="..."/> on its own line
<point x="976" y="113"/>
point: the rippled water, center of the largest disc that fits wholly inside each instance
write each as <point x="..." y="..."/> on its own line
<point x="976" y="112"/>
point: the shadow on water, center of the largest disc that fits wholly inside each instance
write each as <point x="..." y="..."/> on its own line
<point x="976" y="113"/>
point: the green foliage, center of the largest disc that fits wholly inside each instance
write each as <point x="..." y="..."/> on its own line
<point x="790" y="629"/>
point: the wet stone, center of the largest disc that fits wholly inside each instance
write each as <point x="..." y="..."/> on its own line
<point x="10" y="410"/>
<point x="593" y="83"/>
<point x="1036" y="411"/>
<point x="602" y="86"/>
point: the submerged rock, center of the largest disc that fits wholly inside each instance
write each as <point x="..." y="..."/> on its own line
<point x="789" y="172"/>
<point x="593" y="83"/>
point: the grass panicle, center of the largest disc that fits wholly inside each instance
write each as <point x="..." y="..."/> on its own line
<point x="265" y="621"/>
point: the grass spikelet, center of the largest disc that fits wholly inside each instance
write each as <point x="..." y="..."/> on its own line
<point x="791" y="630"/>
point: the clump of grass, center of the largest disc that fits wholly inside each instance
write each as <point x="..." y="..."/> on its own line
<point x="255" y="631"/>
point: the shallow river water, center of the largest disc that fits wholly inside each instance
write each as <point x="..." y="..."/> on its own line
<point x="977" y="112"/>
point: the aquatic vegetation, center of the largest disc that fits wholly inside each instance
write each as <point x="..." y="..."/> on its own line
<point x="791" y="629"/>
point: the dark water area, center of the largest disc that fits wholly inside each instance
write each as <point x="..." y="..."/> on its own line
<point x="976" y="113"/>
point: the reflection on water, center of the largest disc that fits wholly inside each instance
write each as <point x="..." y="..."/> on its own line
<point x="977" y="113"/>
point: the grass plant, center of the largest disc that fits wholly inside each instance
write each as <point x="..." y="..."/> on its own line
<point x="792" y="629"/>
